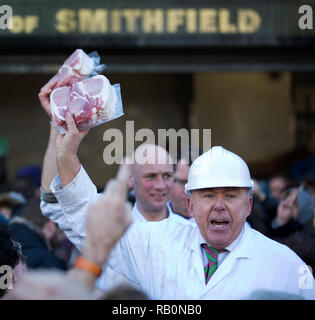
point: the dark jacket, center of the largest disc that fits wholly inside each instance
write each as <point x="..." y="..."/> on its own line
<point x="34" y="246"/>
<point x="4" y="222"/>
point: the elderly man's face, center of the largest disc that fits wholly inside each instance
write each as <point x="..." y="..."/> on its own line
<point x="220" y="213"/>
<point x="152" y="185"/>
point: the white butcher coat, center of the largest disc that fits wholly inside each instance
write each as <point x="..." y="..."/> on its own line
<point x="164" y="258"/>
<point x="70" y="214"/>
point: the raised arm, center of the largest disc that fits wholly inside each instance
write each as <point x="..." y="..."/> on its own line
<point x="108" y="219"/>
<point x="49" y="170"/>
<point x="67" y="146"/>
<point x="50" y="206"/>
<point x="62" y="148"/>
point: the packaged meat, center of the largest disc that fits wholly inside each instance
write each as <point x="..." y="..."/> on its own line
<point x="77" y="67"/>
<point x="91" y="101"/>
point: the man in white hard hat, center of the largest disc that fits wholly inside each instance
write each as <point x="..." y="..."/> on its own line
<point x="219" y="187"/>
<point x="220" y="257"/>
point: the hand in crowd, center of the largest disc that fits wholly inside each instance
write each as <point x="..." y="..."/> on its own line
<point x="258" y="193"/>
<point x="48" y="285"/>
<point x="108" y="218"/>
<point x="287" y="208"/>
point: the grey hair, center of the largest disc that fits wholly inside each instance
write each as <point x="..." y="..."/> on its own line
<point x="249" y="194"/>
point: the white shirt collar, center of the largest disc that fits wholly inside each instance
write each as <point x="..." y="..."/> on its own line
<point x="138" y="216"/>
<point x="231" y="246"/>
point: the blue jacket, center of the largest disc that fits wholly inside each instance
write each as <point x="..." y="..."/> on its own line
<point x="34" y="247"/>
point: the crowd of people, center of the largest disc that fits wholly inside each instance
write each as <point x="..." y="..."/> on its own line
<point x="202" y="229"/>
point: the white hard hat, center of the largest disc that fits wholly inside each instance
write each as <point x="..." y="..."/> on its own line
<point x="216" y="168"/>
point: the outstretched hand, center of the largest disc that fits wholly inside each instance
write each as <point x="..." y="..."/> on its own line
<point x="288" y="208"/>
<point x="258" y="193"/>
<point x="44" y="95"/>
<point x="108" y="218"/>
<point x="48" y="285"/>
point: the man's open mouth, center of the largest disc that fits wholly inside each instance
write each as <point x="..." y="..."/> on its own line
<point x="219" y="223"/>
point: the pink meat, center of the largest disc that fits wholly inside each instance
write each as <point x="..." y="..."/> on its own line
<point x="61" y="97"/>
<point x="91" y="101"/>
<point x="93" y="86"/>
<point x="74" y="69"/>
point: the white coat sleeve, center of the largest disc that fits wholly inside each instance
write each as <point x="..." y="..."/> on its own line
<point x="54" y="212"/>
<point x="133" y="255"/>
<point x="73" y="201"/>
<point x="126" y="258"/>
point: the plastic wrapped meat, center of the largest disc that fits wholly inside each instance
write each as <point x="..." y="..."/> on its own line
<point x="77" y="67"/>
<point x="92" y="101"/>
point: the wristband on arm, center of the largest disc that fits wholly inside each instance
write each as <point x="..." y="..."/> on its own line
<point x="90" y="267"/>
<point x="48" y="197"/>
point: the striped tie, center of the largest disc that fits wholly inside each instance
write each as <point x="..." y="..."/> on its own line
<point x="212" y="255"/>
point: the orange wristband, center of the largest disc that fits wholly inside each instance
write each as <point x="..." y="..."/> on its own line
<point x="88" y="266"/>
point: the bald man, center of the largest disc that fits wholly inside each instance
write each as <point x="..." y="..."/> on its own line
<point x="67" y="190"/>
<point x="151" y="179"/>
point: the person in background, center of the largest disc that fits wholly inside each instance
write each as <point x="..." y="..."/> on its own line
<point x="269" y="203"/>
<point x="294" y="212"/>
<point x="178" y="199"/>
<point x="265" y="206"/>
<point x="62" y="247"/>
<point x="79" y="282"/>
<point x="153" y="258"/>
<point x="33" y="173"/>
<point x="34" y="232"/>
<point x="67" y="190"/>
<point x="277" y="185"/>
<point x="293" y="224"/>
<point x="24" y="186"/>
<point x="9" y="201"/>
<point x="220" y="257"/>
<point x="178" y="195"/>
<point x="10" y="256"/>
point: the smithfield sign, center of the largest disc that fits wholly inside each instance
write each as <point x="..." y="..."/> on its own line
<point x="150" y="23"/>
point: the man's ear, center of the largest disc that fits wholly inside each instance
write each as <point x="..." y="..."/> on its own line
<point x="190" y="206"/>
<point x="250" y="205"/>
